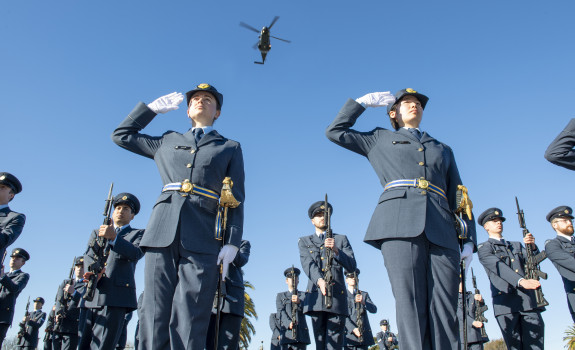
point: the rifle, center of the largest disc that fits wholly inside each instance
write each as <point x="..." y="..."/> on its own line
<point x="100" y="252"/>
<point x="464" y="205"/>
<point x="65" y="299"/>
<point x="294" y="306"/>
<point x="359" y="308"/>
<point x="22" y="329"/>
<point x="328" y="276"/>
<point x="227" y="200"/>
<point x="532" y="270"/>
<point x="480" y="307"/>
<point x="3" y="258"/>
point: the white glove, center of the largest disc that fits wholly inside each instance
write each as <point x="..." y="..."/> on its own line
<point x="166" y="103"/>
<point x="467" y="254"/>
<point x="376" y="99"/>
<point x="226" y="256"/>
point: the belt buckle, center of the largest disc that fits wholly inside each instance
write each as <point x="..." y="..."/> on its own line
<point x="423" y="183"/>
<point x="187" y="186"/>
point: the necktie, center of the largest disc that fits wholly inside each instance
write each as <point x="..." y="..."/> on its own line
<point x="198" y="133"/>
<point x="415" y="133"/>
<point x="322" y="237"/>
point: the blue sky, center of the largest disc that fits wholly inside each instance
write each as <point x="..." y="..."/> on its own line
<point x="499" y="76"/>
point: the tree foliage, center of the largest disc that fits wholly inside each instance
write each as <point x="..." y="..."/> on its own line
<point x="247" y="329"/>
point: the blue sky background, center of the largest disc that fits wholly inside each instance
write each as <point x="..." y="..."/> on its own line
<point x="499" y="76"/>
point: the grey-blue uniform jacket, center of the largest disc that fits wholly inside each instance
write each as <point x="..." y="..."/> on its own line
<point x="351" y="321"/>
<point x="560" y="151"/>
<point x="70" y="308"/>
<point x="117" y="287"/>
<point x="504" y="267"/>
<point x="275" y="327"/>
<point x="473" y="334"/>
<point x="235" y="282"/>
<point x="404" y="212"/>
<point x="30" y="338"/>
<point x="11" y="284"/>
<point x="205" y="164"/>
<point x="562" y="253"/>
<point x="11" y="226"/>
<point x="382" y="341"/>
<point x="284" y="309"/>
<point x="312" y="254"/>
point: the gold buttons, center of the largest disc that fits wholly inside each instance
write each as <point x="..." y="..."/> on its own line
<point x="421" y="163"/>
<point x="193" y="151"/>
<point x="322" y="258"/>
<point x="127" y="284"/>
<point x="189" y="165"/>
<point x="320" y="247"/>
<point x="311" y="251"/>
<point x="420" y="149"/>
<point x="517" y="270"/>
<point x="424" y="192"/>
<point x="512" y="260"/>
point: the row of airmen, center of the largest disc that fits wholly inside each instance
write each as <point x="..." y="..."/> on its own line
<point x="74" y="322"/>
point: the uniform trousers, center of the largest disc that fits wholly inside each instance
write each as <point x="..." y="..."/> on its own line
<point x="328" y="329"/>
<point x="48" y="342"/>
<point x="522" y="330"/>
<point x="180" y="286"/>
<point x="229" y="336"/>
<point x="64" y="341"/>
<point x="103" y="328"/>
<point x="82" y="323"/>
<point x="425" y="283"/>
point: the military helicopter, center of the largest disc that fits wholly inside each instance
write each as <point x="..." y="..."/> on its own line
<point x="264" y="42"/>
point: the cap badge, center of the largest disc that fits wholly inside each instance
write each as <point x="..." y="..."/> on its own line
<point x="566" y="211"/>
<point x="322" y="207"/>
<point x="203" y="86"/>
<point x="17" y="251"/>
<point x="124" y="198"/>
<point x="410" y="90"/>
<point x="496" y="212"/>
<point x="2" y="177"/>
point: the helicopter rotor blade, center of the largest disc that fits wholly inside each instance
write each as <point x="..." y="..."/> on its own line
<point x="273" y="22"/>
<point x="287" y="41"/>
<point x="247" y="26"/>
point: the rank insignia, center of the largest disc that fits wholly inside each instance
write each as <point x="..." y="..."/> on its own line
<point x="124" y="198"/>
<point x="410" y="90"/>
<point x="2" y="177"/>
<point x="496" y="212"/>
<point x="203" y="86"/>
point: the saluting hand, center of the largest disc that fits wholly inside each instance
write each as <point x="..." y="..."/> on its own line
<point x="166" y="103"/>
<point x="376" y="99"/>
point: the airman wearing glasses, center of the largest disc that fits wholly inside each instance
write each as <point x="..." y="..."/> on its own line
<point x="561" y="250"/>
